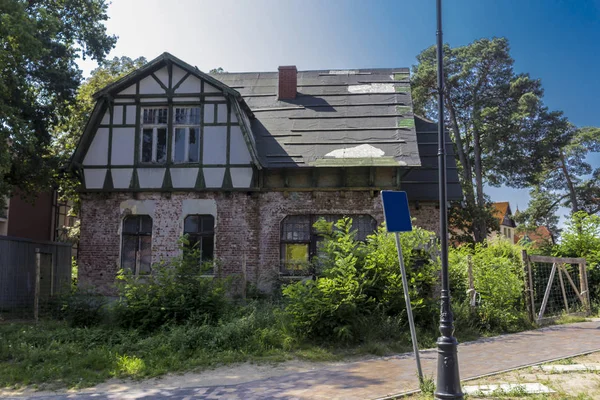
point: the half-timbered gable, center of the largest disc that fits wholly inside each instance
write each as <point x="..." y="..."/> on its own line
<point x="168" y="126"/>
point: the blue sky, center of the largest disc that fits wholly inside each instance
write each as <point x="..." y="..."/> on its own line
<point x="555" y="40"/>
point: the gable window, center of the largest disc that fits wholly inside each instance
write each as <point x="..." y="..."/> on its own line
<point x="186" y="141"/>
<point x="201" y="234"/>
<point x="136" y="250"/>
<point x="300" y="241"/>
<point x="154" y="135"/>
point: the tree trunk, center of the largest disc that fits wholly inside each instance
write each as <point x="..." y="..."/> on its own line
<point x="479" y="224"/>
<point x="572" y="194"/>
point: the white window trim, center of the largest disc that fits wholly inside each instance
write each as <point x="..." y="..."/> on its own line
<point x="186" y="151"/>
<point x="154" y="128"/>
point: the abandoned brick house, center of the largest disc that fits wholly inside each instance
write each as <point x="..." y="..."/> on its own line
<point x="244" y="163"/>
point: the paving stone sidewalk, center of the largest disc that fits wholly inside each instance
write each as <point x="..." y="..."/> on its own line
<point x="381" y="377"/>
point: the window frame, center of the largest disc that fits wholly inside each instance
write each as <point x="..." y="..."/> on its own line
<point x="314" y="237"/>
<point x="139" y="234"/>
<point x="201" y="234"/>
<point x="187" y="126"/>
<point x="155" y="126"/>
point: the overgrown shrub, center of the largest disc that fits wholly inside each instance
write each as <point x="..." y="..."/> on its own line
<point x="175" y="292"/>
<point x="80" y="307"/>
<point x="360" y="283"/>
<point x="498" y="280"/>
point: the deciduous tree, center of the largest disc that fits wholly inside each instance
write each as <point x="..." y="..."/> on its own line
<point x="40" y="41"/>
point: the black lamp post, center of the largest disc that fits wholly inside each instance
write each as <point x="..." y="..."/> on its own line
<point x="448" y="379"/>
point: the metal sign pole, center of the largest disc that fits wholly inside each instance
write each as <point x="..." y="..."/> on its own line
<point x="411" y="322"/>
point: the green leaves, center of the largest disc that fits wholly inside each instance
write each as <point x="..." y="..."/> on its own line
<point x="39" y="44"/>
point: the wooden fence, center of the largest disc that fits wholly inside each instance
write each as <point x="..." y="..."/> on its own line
<point x="555" y="286"/>
<point x="31" y="273"/>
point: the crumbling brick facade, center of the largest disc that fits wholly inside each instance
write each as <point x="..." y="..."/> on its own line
<point x="247" y="226"/>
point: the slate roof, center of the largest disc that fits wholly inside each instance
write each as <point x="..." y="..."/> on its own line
<point x="333" y="110"/>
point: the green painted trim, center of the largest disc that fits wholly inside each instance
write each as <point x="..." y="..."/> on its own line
<point x="138" y="132"/>
<point x="200" y="184"/>
<point x="108" y="182"/>
<point x="110" y="133"/>
<point x="124" y="122"/>
<point x="170" y="136"/>
<point x="180" y="82"/>
<point x="355" y="162"/>
<point x="118" y="126"/>
<point x="166" y="89"/>
<point x="227" y="182"/>
<point x="135" y="181"/>
<point x="170" y="72"/>
<point x="228" y="145"/>
<point x="183" y="165"/>
<point x="167" y="183"/>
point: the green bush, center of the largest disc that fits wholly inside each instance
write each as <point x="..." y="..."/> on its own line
<point x="498" y="280"/>
<point x="81" y="307"/>
<point x="174" y="293"/>
<point x="359" y="283"/>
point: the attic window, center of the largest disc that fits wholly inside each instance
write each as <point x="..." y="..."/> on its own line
<point x="154" y="135"/>
<point x="186" y="141"/>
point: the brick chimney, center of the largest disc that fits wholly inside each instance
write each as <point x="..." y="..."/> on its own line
<point x="288" y="82"/>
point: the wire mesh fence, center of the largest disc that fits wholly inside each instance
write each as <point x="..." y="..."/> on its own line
<point x="31" y="275"/>
<point x="556" y="286"/>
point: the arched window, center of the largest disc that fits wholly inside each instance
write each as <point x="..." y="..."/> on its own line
<point x="299" y="239"/>
<point x="201" y="233"/>
<point x="136" y="248"/>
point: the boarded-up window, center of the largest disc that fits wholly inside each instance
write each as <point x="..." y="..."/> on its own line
<point x="200" y="230"/>
<point x="136" y="250"/>
<point x="300" y="241"/>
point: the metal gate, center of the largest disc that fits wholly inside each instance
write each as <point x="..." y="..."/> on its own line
<point x="555" y="286"/>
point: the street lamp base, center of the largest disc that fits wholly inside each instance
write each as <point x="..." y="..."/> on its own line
<point x="448" y="378"/>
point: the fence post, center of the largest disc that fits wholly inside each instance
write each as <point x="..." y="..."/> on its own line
<point x="584" y="286"/>
<point x="472" y="293"/>
<point x="562" y="288"/>
<point x="527" y="277"/>
<point x="36" y="295"/>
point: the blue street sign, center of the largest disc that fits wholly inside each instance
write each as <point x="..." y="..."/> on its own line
<point x="395" y="210"/>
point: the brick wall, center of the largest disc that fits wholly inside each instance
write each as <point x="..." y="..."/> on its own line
<point x="247" y="227"/>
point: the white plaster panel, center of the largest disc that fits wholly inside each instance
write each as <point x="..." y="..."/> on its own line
<point x="106" y="118"/>
<point x="94" y="178"/>
<point x="163" y="76"/>
<point x="209" y="113"/>
<point x="199" y="206"/>
<point x="233" y="117"/>
<point x="97" y="154"/>
<point x="215" y="97"/>
<point x="184" y="177"/>
<point x="221" y="113"/>
<point x="123" y="101"/>
<point x="241" y="177"/>
<point x="121" y="177"/>
<point x="138" y="207"/>
<point x="151" y="178"/>
<point x="148" y="85"/>
<point x="130" y="115"/>
<point x="190" y="85"/>
<point x="123" y="146"/>
<point x="213" y="177"/>
<point x="215" y="145"/>
<point x="176" y="99"/>
<point x="117" y="115"/>
<point x="238" y="150"/>
<point x="128" y="90"/>
<point x="208" y="88"/>
<point x="178" y="73"/>
<point x="153" y="99"/>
